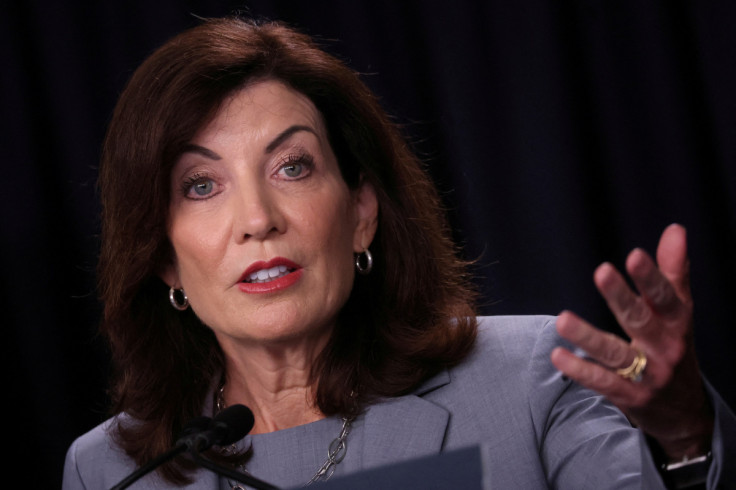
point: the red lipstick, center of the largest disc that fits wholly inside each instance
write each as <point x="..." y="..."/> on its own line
<point x="293" y="274"/>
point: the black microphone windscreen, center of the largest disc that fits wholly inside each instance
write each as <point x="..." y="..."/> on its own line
<point x="236" y="420"/>
<point x="195" y="426"/>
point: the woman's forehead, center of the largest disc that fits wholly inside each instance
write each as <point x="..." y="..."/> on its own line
<point x="266" y="106"/>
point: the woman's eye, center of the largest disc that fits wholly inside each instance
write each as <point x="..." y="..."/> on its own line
<point x="198" y="187"/>
<point x="203" y="188"/>
<point x="296" y="166"/>
<point x="293" y="169"/>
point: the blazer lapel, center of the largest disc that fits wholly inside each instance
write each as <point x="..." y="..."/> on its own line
<point x="405" y="427"/>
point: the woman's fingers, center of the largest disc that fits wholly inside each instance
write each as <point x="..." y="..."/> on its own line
<point x="621" y="392"/>
<point x="607" y="355"/>
<point x="607" y="349"/>
<point x="673" y="261"/>
<point x="656" y="289"/>
<point x="631" y="311"/>
<point x="657" y="305"/>
<point x="613" y="353"/>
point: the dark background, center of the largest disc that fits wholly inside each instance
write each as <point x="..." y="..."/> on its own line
<point x="562" y="133"/>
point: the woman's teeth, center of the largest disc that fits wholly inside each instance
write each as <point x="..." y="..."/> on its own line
<point x="265" y="275"/>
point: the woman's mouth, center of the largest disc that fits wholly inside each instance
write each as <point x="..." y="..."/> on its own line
<point x="267" y="275"/>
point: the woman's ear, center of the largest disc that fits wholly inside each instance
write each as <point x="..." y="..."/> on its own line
<point x="169" y="274"/>
<point x="366" y="208"/>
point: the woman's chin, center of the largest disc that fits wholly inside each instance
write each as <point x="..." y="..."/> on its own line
<point x="278" y="332"/>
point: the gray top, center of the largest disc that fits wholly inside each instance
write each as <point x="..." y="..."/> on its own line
<point x="291" y="457"/>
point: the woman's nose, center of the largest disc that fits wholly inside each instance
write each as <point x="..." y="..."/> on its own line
<point x="257" y="214"/>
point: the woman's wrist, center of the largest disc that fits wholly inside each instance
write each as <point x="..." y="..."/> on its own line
<point x="686" y="467"/>
<point x="694" y="438"/>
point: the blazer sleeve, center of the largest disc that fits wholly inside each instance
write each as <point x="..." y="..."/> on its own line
<point x="586" y="442"/>
<point x="94" y="461"/>
<point x="72" y="479"/>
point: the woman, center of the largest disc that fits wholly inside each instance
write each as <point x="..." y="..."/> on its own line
<point x="268" y="239"/>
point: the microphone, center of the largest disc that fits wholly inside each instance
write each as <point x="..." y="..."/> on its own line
<point x="199" y="434"/>
<point x="193" y="427"/>
<point x="228" y="426"/>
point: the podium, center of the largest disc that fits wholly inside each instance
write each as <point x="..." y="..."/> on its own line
<point x="458" y="469"/>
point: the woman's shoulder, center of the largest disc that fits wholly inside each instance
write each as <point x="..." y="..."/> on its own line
<point x="515" y="337"/>
<point x="514" y="327"/>
<point x="97" y="440"/>
<point x="509" y="351"/>
<point x="510" y="357"/>
<point x="94" y="460"/>
<point x="516" y="350"/>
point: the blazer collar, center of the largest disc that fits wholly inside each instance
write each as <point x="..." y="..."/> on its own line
<point x="438" y="380"/>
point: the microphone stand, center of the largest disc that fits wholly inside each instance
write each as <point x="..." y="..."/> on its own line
<point x="148" y="467"/>
<point x="200" y="434"/>
<point x="200" y="460"/>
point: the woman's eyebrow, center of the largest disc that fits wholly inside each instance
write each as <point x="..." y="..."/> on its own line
<point x="286" y="134"/>
<point x="201" y="150"/>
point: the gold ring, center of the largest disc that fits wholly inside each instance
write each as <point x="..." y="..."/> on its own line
<point x="635" y="370"/>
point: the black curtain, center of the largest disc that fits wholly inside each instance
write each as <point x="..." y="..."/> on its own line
<point x="562" y="133"/>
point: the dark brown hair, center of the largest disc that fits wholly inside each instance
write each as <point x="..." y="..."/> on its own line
<point x="412" y="316"/>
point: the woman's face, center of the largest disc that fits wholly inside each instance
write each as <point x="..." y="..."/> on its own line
<point x="262" y="224"/>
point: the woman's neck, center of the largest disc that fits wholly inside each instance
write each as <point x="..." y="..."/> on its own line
<point x="274" y="381"/>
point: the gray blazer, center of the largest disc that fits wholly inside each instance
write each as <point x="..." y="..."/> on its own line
<point x="538" y="429"/>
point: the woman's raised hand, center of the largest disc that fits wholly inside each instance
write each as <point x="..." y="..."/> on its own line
<point x="667" y="398"/>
